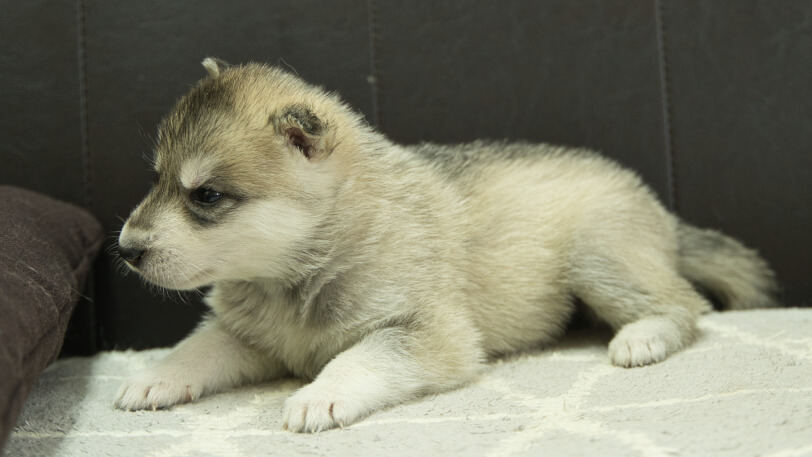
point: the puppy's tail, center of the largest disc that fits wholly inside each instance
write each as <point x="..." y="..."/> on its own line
<point x="735" y="274"/>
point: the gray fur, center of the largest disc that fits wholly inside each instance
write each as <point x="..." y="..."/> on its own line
<point x="735" y="274"/>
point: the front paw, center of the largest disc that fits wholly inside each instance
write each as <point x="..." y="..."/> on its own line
<point x="153" y="392"/>
<point x="313" y="409"/>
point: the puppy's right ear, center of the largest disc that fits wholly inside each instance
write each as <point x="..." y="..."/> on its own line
<point x="214" y="66"/>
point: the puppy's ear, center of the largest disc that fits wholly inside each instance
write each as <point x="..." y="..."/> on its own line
<point x="214" y="66"/>
<point x="304" y="131"/>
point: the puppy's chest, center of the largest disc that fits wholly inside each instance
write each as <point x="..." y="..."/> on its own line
<point x="274" y="323"/>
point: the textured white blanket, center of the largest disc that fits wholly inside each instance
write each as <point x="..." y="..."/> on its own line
<point x="743" y="389"/>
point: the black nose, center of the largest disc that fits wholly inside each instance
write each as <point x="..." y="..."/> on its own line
<point x="131" y="255"/>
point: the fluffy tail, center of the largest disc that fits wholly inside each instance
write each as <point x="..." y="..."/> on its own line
<point x="736" y="275"/>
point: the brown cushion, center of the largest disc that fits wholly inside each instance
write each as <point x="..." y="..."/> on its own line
<point x="46" y="250"/>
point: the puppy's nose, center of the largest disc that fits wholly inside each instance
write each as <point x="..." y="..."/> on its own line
<point x="132" y="255"/>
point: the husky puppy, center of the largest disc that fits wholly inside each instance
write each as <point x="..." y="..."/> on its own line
<point x="383" y="272"/>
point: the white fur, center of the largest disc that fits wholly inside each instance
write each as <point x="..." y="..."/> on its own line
<point x="196" y="367"/>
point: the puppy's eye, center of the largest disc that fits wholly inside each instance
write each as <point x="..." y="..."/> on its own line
<point x="205" y="196"/>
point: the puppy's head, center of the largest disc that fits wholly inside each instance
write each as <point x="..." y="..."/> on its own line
<point x="244" y="174"/>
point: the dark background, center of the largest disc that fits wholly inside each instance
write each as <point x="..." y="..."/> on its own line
<point x="710" y="101"/>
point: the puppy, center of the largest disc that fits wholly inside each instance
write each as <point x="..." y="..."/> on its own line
<point x="383" y="272"/>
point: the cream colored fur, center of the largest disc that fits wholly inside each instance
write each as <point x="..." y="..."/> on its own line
<point x="384" y="272"/>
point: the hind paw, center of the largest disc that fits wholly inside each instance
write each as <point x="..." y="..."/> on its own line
<point x="630" y="351"/>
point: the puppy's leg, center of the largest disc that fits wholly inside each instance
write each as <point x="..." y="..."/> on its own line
<point x="652" y="308"/>
<point x="210" y="360"/>
<point x="387" y="367"/>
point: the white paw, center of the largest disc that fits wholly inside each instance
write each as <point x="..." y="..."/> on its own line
<point x="635" y="351"/>
<point x="154" y="392"/>
<point x="312" y="409"/>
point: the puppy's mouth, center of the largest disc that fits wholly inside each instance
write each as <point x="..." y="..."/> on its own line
<point x="172" y="278"/>
<point x="131" y="266"/>
<point x="182" y="281"/>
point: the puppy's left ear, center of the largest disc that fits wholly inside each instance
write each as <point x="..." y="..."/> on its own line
<point x="214" y="66"/>
<point x="304" y="131"/>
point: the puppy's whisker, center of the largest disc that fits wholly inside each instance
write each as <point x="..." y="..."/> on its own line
<point x="207" y="273"/>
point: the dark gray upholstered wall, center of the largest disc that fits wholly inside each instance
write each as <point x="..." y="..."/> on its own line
<point x="709" y="101"/>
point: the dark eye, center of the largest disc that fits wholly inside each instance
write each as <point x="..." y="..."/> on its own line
<point x="205" y="196"/>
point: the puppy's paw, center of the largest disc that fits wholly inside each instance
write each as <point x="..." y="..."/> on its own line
<point x="154" y="392"/>
<point x="313" y="409"/>
<point x="628" y="350"/>
<point x="636" y="351"/>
